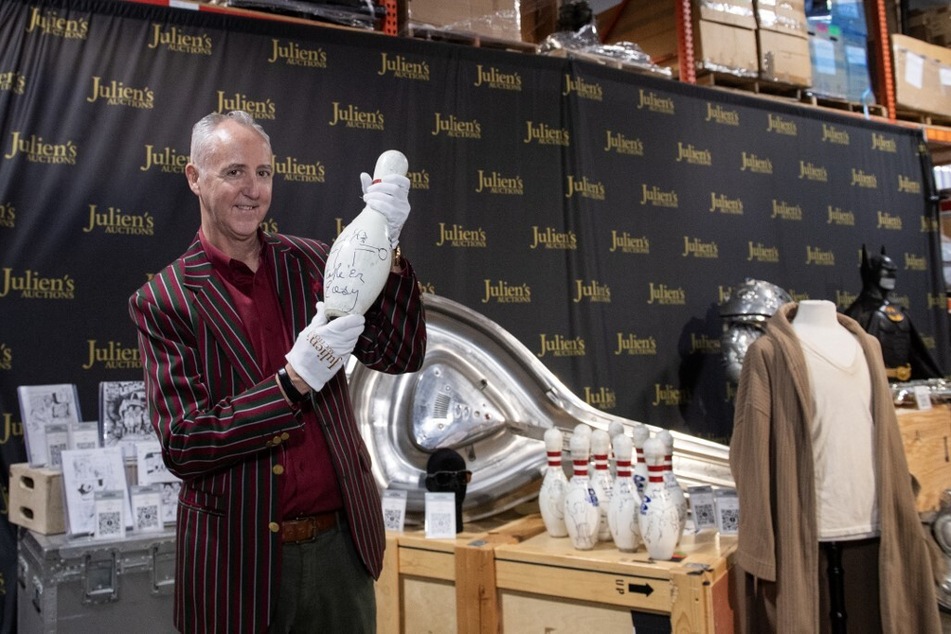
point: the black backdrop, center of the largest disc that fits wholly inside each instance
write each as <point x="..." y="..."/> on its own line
<point x="598" y="215"/>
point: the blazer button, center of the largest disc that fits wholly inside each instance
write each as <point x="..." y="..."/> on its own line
<point x="273" y="527"/>
<point x="276" y="440"/>
<point x="285" y="436"/>
<point x="278" y="469"/>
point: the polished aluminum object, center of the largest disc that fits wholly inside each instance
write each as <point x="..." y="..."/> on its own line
<point x="745" y="311"/>
<point x="483" y="393"/>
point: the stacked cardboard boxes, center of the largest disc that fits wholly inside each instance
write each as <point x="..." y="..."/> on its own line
<point x="528" y="21"/>
<point x="922" y="75"/>
<point x="782" y="41"/>
<point x="932" y="25"/>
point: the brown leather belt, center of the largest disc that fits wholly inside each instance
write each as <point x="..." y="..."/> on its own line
<point x="305" y="529"/>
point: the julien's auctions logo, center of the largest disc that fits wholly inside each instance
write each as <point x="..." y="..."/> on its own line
<point x="834" y="135"/>
<point x="560" y="346"/>
<point x="631" y="344"/>
<point x="915" y="262"/>
<point x="928" y="224"/>
<point x="861" y="179"/>
<point x="785" y="211"/>
<point x="10" y="429"/>
<point x="667" y="394"/>
<point x="593" y="291"/>
<point x="544" y="134"/>
<point x="755" y="164"/>
<point x="781" y="125"/>
<point x="759" y="252"/>
<point x="665" y="295"/>
<point x="811" y="172"/>
<point x="819" y="257"/>
<point x="292" y="54"/>
<point x="697" y="248"/>
<point x="692" y="155"/>
<point x="50" y="23"/>
<point x="582" y="88"/>
<point x="112" y="356"/>
<point x="503" y="292"/>
<point x="657" y="197"/>
<point x="419" y="179"/>
<point x="8" y="215"/>
<point x="843" y="299"/>
<point x="457" y="235"/>
<point x="718" y="114"/>
<point x="266" y="109"/>
<point x="882" y="143"/>
<point x="584" y="188"/>
<point x="726" y="205"/>
<point x="456" y="128"/>
<point x="36" y="150"/>
<point x="350" y="116"/>
<point x="937" y="300"/>
<point x="113" y="220"/>
<point x="841" y="217"/>
<point x="6" y="357"/>
<point x="492" y="77"/>
<point x="620" y="144"/>
<point x="31" y="285"/>
<point x="116" y="93"/>
<point x="177" y="41"/>
<point x="601" y="398"/>
<point x="13" y="81"/>
<point x="652" y="102"/>
<point x="292" y="169"/>
<point x="908" y="185"/>
<point x="167" y="160"/>
<point x="888" y="221"/>
<point x="702" y="344"/>
<point x="626" y="243"/>
<point x="551" y="238"/>
<point x="495" y="183"/>
<point x="402" y="68"/>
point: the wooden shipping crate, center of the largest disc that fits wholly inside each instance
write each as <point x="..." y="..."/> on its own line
<point x="544" y="584"/>
<point x="926" y="436"/>
<point x="446" y="585"/>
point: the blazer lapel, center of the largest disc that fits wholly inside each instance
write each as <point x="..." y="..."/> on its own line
<point x="292" y="284"/>
<point x="217" y="311"/>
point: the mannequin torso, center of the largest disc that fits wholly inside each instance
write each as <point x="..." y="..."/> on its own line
<point x="817" y="326"/>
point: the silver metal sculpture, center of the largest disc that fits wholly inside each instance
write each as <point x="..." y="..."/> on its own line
<point x="744" y="312"/>
<point x="483" y="393"/>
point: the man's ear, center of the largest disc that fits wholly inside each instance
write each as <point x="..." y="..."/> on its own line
<point x="191" y="173"/>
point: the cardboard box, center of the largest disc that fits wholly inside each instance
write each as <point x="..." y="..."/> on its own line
<point x="733" y="12"/>
<point x="514" y="20"/>
<point x="36" y="497"/>
<point x="783" y="16"/>
<point x="922" y="75"/>
<point x="932" y="25"/>
<point x="784" y="58"/>
<point x="723" y="48"/>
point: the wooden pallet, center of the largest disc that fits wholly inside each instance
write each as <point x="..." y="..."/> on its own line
<point x="753" y="85"/>
<point x="468" y="38"/>
<point x="833" y="103"/>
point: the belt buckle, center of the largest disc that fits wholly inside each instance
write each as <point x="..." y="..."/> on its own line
<point x="311" y="523"/>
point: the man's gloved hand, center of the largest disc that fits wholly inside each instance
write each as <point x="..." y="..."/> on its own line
<point x="390" y="197"/>
<point x="322" y="348"/>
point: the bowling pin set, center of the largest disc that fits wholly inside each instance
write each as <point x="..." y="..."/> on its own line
<point x="641" y="503"/>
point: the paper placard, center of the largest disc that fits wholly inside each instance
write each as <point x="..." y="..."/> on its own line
<point x="728" y="511"/>
<point x="109" y="515"/>
<point x="394" y="510"/>
<point x="147" y="508"/>
<point x="922" y="397"/>
<point x="702" y="507"/>
<point x="440" y="515"/>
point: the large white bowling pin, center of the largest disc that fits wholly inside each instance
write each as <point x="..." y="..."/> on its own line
<point x="601" y="480"/>
<point x="641" y="434"/>
<point x="625" y="502"/>
<point x="581" y="504"/>
<point x="676" y="492"/>
<point x="551" y="497"/>
<point x="658" y="519"/>
<point x="360" y="258"/>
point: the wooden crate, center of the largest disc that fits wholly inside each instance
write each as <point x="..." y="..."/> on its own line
<point x="36" y="499"/>
<point x="544" y="584"/>
<point x="446" y="585"/>
<point x="926" y="436"/>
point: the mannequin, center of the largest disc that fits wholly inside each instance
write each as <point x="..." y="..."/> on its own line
<point x="815" y="432"/>
<point x="843" y="454"/>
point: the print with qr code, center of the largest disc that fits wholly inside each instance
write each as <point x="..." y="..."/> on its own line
<point x="147" y="516"/>
<point x="110" y="523"/>
<point x="704" y="515"/>
<point x="729" y="520"/>
<point x="392" y="519"/>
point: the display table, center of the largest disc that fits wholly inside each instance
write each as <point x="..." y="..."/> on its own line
<point x="926" y="436"/>
<point x="515" y="578"/>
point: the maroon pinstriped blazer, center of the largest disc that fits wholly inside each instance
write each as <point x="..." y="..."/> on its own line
<point x="222" y="424"/>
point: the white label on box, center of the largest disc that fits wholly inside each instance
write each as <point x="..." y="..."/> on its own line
<point x="440" y="515"/>
<point x="394" y="509"/>
<point x="855" y="56"/>
<point x="914" y="69"/>
<point x="944" y="75"/>
<point x="823" y="56"/>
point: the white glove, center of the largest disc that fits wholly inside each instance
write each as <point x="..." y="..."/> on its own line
<point x="322" y="348"/>
<point x="390" y="197"/>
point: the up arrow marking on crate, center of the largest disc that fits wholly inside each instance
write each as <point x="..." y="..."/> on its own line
<point x="644" y="589"/>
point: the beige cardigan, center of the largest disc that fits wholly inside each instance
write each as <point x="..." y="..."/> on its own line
<point x="771" y="461"/>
